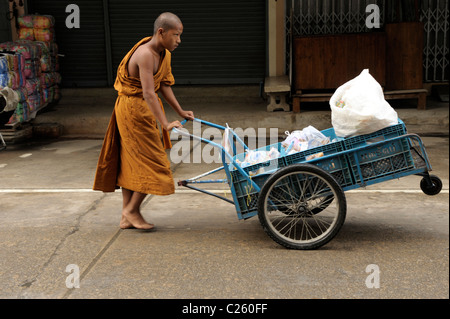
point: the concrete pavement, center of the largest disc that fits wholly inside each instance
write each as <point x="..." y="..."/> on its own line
<point x="53" y="226"/>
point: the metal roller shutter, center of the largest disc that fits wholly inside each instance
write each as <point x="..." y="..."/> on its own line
<point x="224" y="42"/>
<point x="84" y="50"/>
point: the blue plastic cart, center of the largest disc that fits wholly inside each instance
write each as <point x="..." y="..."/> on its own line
<point x="300" y="201"/>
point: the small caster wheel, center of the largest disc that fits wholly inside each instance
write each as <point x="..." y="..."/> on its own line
<point x="432" y="185"/>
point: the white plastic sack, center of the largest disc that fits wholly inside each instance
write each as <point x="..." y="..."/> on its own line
<point x="254" y="157"/>
<point x="295" y="141"/>
<point x="11" y="99"/>
<point x="315" y="137"/>
<point x="305" y="139"/>
<point x="226" y="143"/>
<point x="358" y="107"/>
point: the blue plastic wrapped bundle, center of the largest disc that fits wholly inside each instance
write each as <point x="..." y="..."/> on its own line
<point x="14" y="80"/>
<point x="22" y="113"/>
<point x="11" y="70"/>
<point x="31" y="55"/>
<point x="47" y="80"/>
<point x="32" y="86"/>
<point x="4" y="79"/>
<point x="22" y="94"/>
<point x="34" y="102"/>
<point x="4" y="68"/>
<point x="48" y="94"/>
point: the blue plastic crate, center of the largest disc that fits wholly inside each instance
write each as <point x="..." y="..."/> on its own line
<point x="383" y="134"/>
<point x="335" y="146"/>
<point x="381" y="160"/>
<point x="266" y="166"/>
<point x="335" y="165"/>
<point x="338" y="167"/>
<point x="246" y="194"/>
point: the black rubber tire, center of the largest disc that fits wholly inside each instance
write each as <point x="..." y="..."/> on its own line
<point x="299" y="187"/>
<point x="433" y="189"/>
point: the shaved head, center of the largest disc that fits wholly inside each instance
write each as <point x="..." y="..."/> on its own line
<point x="166" y="21"/>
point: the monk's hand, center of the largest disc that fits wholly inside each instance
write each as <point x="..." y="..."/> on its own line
<point x="173" y="124"/>
<point x="189" y="115"/>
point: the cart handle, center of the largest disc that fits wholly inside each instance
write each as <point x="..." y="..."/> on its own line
<point x="176" y="130"/>
<point x="224" y="152"/>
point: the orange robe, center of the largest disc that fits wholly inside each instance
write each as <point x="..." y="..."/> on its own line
<point x="133" y="155"/>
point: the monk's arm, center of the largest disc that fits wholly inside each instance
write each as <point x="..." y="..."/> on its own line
<point x="170" y="98"/>
<point x="148" y="89"/>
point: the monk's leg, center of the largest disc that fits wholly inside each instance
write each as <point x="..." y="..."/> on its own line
<point x="132" y="212"/>
<point x="126" y="196"/>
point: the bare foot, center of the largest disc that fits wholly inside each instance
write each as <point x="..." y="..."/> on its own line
<point x="125" y="224"/>
<point x="135" y="220"/>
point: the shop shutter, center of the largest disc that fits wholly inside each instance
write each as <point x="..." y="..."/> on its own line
<point x="223" y="41"/>
<point x="84" y="50"/>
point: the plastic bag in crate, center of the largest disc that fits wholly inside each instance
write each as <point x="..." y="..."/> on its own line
<point x="358" y="107"/>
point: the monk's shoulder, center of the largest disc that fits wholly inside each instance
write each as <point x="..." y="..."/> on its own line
<point x="139" y="56"/>
<point x="142" y="53"/>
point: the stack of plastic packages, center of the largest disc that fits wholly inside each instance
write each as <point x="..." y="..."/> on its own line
<point x="11" y="70"/>
<point x="40" y="29"/>
<point x="49" y="77"/>
<point x="22" y="113"/>
<point x="12" y="77"/>
<point x="36" y="28"/>
<point x="31" y="87"/>
<point x="38" y="65"/>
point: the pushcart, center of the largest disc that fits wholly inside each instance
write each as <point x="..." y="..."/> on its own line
<point x="299" y="197"/>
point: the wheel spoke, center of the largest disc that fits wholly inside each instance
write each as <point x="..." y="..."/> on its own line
<point x="323" y="203"/>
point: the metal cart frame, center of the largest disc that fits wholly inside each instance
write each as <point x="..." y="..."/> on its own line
<point x="301" y="203"/>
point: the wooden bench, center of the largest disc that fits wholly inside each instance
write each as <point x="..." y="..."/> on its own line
<point x="308" y="97"/>
<point x="277" y="87"/>
<point x="419" y="94"/>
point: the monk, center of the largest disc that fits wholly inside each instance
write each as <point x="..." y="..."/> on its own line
<point x="133" y="155"/>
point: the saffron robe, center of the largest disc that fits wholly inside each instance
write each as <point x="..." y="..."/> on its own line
<point x="133" y="155"/>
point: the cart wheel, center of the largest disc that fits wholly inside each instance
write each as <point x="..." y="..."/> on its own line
<point x="431" y="189"/>
<point x="301" y="206"/>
